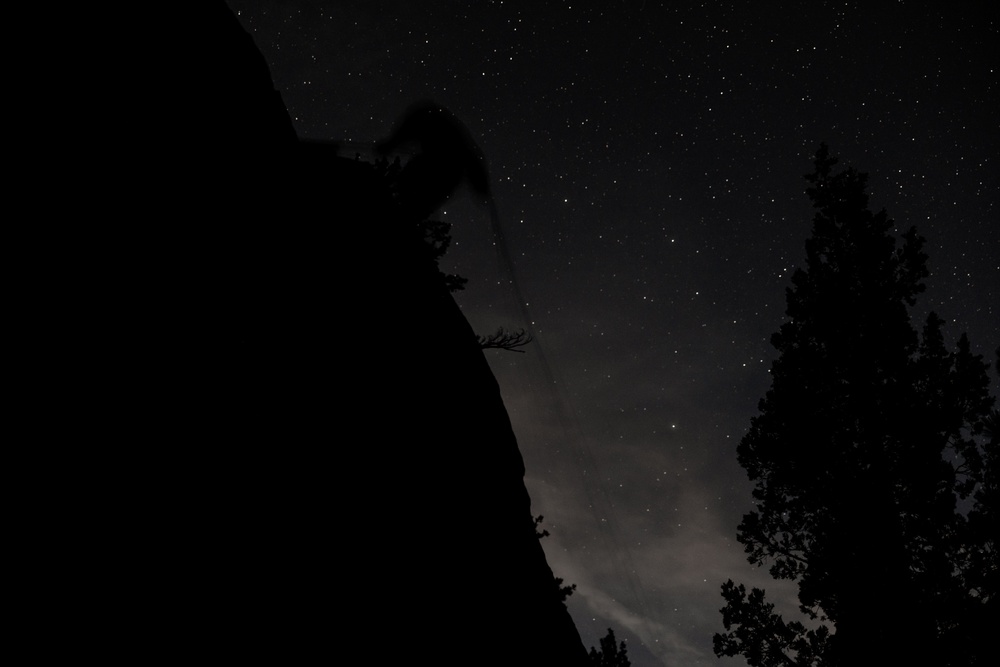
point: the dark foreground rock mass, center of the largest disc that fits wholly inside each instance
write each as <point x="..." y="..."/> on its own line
<point x="262" y="428"/>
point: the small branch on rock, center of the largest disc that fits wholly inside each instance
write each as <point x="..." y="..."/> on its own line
<point x="505" y="340"/>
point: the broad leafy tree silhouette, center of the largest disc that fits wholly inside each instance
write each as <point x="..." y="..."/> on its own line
<point x="866" y="443"/>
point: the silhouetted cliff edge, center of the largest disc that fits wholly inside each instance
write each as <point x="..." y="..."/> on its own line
<point x="267" y="428"/>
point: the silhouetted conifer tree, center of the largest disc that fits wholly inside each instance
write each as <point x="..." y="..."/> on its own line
<point x="611" y="654"/>
<point x="864" y="443"/>
<point x="564" y="591"/>
<point x="435" y="234"/>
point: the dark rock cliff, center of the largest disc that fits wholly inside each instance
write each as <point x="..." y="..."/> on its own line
<point x="268" y="430"/>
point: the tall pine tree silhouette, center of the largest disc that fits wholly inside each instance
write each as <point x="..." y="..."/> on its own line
<point x="864" y="443"/>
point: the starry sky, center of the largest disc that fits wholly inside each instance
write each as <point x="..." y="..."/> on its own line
<point x="646" y="161"/>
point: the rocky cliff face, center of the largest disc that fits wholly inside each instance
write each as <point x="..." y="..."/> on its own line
<point x="282" y="440"/>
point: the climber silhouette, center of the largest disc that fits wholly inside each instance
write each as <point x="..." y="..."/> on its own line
<point x="446" y="158"/>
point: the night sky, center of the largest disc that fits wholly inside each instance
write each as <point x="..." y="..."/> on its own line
<point x="646" y="161"/>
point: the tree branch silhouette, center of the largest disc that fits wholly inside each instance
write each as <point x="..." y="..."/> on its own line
<point x="505" y="340"/>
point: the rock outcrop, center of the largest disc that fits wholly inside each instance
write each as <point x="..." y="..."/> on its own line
<point x="274" y="436"/>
